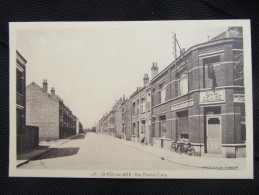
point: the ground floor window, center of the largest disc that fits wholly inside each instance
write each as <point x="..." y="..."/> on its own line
<point x="143" y="126"/>
<point x="243" y="133"/>
<point x="182" y="125"/>
<point x="162" y="126"/>
<point x="134" y="129"/>
<point x="184" y="136"/>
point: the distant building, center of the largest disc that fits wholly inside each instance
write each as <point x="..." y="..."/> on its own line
<point x="48" y="111"/>
<point x="80" y="127"/>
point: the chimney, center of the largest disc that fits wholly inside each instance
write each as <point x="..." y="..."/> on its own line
<point x="154" y="70"/>
<point x="145" y="79"/>
<point x="183" y="51"/>
<point x="234" y="31"/>
<point x="52" y="91"/>
<point x="123" y="97"/>
<point x="45" y="85"/>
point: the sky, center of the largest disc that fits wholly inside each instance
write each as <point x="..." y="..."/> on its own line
<point x="92" y="65"/>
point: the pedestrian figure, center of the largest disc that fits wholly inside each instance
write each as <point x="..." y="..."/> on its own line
<point x="142" y="138"/>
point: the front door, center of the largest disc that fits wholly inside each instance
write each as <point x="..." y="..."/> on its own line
<point x="214" y="135"/>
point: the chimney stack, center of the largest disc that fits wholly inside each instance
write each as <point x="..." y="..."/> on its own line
<point x="183" y="51"/>
<point x="154" y="70"/>
<point x="146" y="79"/>
<point x="234" y="31"/>
<point x="52" y="91"/>
<point x="45" y="85"/>
<point x="123" y="97"/>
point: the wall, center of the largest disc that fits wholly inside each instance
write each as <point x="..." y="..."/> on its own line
<point x="42" y="111"/>
<point x="32" y="137"/>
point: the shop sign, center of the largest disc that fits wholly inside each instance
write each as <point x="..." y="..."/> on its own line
<point x="181" y="105"/>
<point x="207" y="97"/>
<point x="239" y="98"/>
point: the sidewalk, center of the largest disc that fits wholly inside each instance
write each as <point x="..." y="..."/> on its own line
<point x="44" y="147"/>
<point x="204" y="162"/>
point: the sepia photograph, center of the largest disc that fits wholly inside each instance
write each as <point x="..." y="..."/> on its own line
<point x="143" y="99"/>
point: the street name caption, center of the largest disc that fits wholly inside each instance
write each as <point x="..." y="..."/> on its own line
<point x="129" y="174"/>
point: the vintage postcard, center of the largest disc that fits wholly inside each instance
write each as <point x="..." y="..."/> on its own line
<point x="144" y="99"/>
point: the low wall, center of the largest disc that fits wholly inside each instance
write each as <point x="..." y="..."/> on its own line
<point x="233" y="150"/>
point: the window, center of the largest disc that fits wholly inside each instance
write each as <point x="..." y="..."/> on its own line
<point x="142" y="105"/>
<point x="162" y="126"/>
<point x="19" y="82"/>
<point x="137" y="106"/>
<point x="162" y="92"/>
<point x="243" y="133"/>
<point x="206" y="61"/>
<point x="184" y="136"/>
<point x="148" y="102"/>
<point x="143" y="126"/>
<point x="122" y="113"/>
<point x="183" y="83"/>
<point x="182" y="125"/>
<point x="134" y="129"/>
<point x="134" y="107"/>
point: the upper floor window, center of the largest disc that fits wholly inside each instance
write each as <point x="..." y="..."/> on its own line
<point x="133" y="108"/>
<point x="148" y="102"/>
<point x="208" y="61"/>
<point x="162" y="92"/>
<point x="137" y="108"/>
<point x="122" y="112"/>
<point x="183" y="83"/>
<point x="142" y="104"/>
<point x="19" y="82"/>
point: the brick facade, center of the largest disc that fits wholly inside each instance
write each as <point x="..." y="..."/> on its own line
<point x="54" y="118"/>
<point x="20" y="102"/>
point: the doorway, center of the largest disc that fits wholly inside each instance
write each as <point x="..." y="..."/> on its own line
<point x="213" y="134"/>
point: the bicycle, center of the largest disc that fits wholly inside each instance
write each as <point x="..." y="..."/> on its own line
<point x="189" y="149"/>
<point x="174" y="146"/>
<point x="182" y="147"/>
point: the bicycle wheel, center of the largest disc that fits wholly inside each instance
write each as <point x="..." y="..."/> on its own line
<point x="190" y="152"/>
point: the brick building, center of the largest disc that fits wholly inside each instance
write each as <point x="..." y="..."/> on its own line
<point x="126" y="119"/>
<point x="20" y="101"/>
<point x="141" y="111"/>
<point x="27" y="136"/>
<point x="200" y="97"/>
<point x="117" y="109"/>
<point x="48" y="111"/>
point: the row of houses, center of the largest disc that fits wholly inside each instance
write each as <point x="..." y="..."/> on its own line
<point x="200" y="96"/>
<point x="40" y="115"/>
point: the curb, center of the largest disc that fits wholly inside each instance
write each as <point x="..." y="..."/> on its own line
<point x="162" y="157"/>
<point x="44" y="152"/>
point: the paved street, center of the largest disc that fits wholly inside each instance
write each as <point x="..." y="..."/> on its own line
<point x="92" y="151"/>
